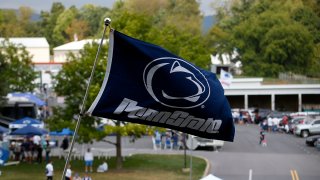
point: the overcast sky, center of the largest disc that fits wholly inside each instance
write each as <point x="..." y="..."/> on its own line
<point x="38" y="5"/>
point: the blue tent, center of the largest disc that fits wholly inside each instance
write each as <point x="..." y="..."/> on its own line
<point x="20" y="123"/>
<point x="4" y="156"/>
<point x="29" y="130"/>
<point x="64" y="132"/>
<point x="3" y="130"/>
<point x="30" y="97"/>
<point x="54" y="133"/>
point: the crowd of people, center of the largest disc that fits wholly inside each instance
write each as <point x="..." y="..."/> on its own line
<point x="273" y="124"/>
<point x="31" y="149"/>
<point x="49" y="171"/>
<point x="88" y="163"/>
<point x="168" y="140"/>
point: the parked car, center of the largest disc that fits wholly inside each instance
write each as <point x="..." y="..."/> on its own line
<point x="297" y="114"/>
<point x="311" y="127"/>
<point x="193" y="142"/>
<point x="312" y="140"/>
<point x="298" y="120"/>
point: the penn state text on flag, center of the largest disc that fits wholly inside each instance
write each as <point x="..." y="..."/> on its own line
<point x="147" y="84"/>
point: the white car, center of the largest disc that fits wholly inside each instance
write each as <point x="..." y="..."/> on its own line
<point x="193" y="142"/>
<point x="311" y="127"/>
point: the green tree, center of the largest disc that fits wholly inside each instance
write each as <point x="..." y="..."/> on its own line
<point x="182" y="39"/>
<point x="18" y="23"/>
<point x="270" y="36"/>
<point x="310" y="20"/>
<point x="314" y="5"/>
<point x="64" y="21"/>
<point x="9" y="24"/>
<point x="30" y="28"/>
<point x="48" y="23"/>
<point x="181" y="14"/>
<point x="265" y="43"/>
<point x="4" y="88"/>
<point x="16" y="69"/>
<point x="93" y="16"/>
<point x="77" y="30"/>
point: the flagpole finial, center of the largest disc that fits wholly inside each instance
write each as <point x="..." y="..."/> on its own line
<point x="107" y="21"/>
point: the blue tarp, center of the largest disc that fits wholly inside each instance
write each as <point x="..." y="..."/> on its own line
<point x="29" y="130"/>
<point x="30" y="97"/>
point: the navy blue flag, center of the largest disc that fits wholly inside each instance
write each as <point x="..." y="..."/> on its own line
<point x="147" y="84"/>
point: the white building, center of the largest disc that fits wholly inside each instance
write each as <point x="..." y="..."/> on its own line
<point x="252" y="92"/>
<point x="60" y="53"/>
<point x="38" y="47"/>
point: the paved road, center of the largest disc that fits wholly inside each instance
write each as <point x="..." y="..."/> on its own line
<point x="285" y="157"/>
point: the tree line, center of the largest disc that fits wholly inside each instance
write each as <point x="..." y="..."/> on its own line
<point x="269" y="37"/>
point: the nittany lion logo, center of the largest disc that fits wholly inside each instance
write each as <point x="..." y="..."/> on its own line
<point x="175" y="83"/>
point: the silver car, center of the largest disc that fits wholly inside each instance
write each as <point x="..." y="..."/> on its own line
<point x="311" y="127"/>
<point x="298" y="120"/>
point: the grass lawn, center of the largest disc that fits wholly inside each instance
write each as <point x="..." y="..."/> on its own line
<point x="136" y="167"/>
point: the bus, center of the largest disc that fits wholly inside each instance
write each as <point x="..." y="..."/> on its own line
<point x="15" y="109"/>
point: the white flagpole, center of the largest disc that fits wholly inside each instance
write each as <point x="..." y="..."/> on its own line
<point x="191" y="158"/>
<point x="107" y="22"/>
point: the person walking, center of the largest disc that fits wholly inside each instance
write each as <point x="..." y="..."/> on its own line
<point x="263" y="140"/>
<point x="47" y="150"/>
<point x="88" y="158"/>
<point x="65" y="143"/>
<point x="25" y="146"/>
<point x="17" y="152"/>
<point x="37" y="148"/>
<point x="39" y="152"/>
<point x="158" y="139"/>
<point x="270" y="123"/>
<point x="68" y="173"/>
<point x="240" y="117"/>
<point x="49" y="171"/>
